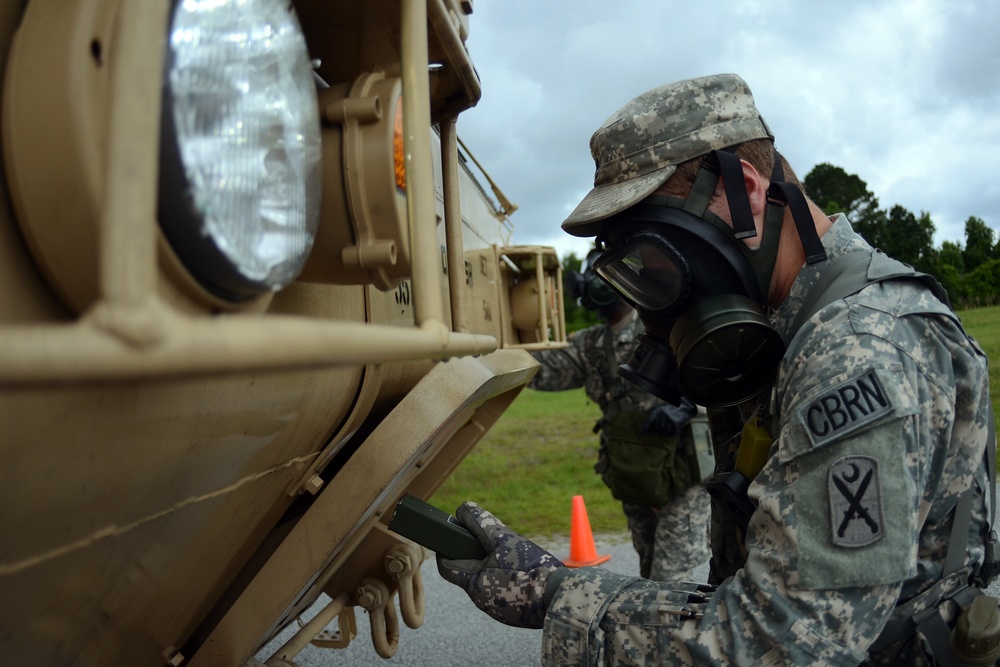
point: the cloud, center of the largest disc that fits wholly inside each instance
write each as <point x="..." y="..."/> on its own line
<point x="900" y="92"/>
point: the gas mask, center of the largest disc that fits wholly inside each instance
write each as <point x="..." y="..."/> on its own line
<point x="591" y="291"/>
<point x="699" y="289"/>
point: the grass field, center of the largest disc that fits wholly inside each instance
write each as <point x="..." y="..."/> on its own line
<point x="542" y="451"/>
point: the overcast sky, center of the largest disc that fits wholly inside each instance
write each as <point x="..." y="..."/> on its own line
<point x="903" y="93"/>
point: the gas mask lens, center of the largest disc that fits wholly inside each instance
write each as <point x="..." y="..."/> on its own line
<point x="648" y="271"/>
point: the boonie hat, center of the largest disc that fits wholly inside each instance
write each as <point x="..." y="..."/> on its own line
<point x="639" y="147"/>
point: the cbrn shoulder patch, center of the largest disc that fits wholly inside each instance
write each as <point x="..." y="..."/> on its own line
<point x="843" y="446"/>
<point x="846" y="407"/>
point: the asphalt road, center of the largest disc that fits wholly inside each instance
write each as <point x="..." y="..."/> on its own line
<point x="455" y="633"/>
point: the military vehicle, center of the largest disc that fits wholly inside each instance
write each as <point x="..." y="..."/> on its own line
<point x="252" y="292"/>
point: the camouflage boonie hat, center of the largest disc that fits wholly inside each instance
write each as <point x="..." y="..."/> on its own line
<point x="639" y="147"/>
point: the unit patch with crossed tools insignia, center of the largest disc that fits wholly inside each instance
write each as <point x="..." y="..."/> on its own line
<point x="855" y="501"/>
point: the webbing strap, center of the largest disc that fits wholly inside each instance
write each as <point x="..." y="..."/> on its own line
<point x="959" y="538"/>
<point x="963" y="516"/>
<point x="615" y="386"/>
<point x="609" y="354"/>
<point x="938" y="634"/>
<point x="991" y="560"/>
<point x="702" y="191"/>
<point x="792" y="196"/>
<point x="841" y="277"/>
<point x="904" y="619"/>
<point x="731" y="170"/>
<point x="991" y="457"/>
<point x="850" y="273"/>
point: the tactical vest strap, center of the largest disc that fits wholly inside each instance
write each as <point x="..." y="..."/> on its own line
<point x="938" y="634"/>
<point x="959" y="533"/>
<point x="850" y="273"/>
<point x="982" y="574"/>
<point x="905" y="621"/>
<point x="988" y="571"/>
<point x="842" y="277"/>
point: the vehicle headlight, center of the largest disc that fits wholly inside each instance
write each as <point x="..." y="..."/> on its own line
<point x="240" y="166"/>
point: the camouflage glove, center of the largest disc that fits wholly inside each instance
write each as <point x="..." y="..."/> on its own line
<point x="509" y="584"/>
<point x="669" y="419"/>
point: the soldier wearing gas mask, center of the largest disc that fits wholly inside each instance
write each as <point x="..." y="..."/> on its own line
<point x="646" y="455"/>
<point x="866" y="525"/>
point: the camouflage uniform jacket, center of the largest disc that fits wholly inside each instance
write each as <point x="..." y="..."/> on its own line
<point x="881" y="424"/>
<point x="585" y="363"/>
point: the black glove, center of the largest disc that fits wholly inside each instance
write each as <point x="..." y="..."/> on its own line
<point x="669" y="419"/>
<point x="509" y="584"/>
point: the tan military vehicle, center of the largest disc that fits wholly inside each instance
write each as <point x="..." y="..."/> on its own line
<point x="251" y="294"/>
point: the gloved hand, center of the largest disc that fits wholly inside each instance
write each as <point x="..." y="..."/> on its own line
<point x="509" y="584"/>
<point x="669" y="419"/>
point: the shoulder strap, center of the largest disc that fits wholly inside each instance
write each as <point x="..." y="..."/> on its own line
<point x="615" y="385"/>
<point x="844" y="276"/>
<point x="990" y="568"/>
<point x="849" y="274"/>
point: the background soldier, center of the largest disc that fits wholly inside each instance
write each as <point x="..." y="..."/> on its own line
<point x="646" y="455"/>
<point x="867" y="529"/>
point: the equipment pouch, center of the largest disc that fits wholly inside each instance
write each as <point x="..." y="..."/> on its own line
<point x="642" y="469"/>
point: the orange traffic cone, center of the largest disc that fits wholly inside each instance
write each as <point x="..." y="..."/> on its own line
<point x="582" y="551"/>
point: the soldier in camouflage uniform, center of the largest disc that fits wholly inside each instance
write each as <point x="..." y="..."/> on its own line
<point x="871" y="513"/>
<point x="666" y="509"/>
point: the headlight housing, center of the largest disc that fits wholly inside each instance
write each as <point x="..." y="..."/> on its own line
<point x="240" y="172"/>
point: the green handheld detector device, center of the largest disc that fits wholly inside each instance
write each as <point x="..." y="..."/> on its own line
<point x="435" y="529"/>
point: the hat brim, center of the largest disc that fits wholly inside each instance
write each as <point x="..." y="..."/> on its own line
<point x="605" y="201"/>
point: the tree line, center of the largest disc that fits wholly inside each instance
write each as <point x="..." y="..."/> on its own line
<point x="970" y="272"/>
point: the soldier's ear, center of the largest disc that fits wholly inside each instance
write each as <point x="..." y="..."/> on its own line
<point x="756" y="187"/>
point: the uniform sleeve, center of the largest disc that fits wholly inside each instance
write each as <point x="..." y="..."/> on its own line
<point x="835" y="535"/>
<point x="601" y="618"/>
<point x="563" y="368"/>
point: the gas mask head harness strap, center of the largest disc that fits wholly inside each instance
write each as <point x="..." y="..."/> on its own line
<point x="699" y="289"/>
